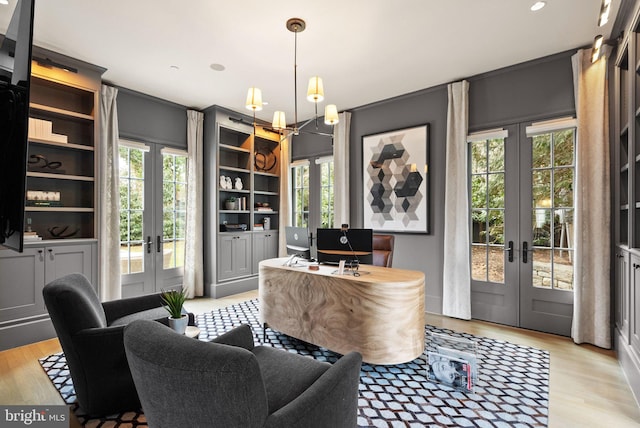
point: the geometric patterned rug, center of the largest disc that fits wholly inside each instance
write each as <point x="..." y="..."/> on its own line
<point x="511" y="389"/>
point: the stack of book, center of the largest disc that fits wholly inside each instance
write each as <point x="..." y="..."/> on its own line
<point x="32" y="236"/>
<point x="43" y="129"/>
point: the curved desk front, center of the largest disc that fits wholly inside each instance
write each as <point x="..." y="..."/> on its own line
<point x="379" y="313"/>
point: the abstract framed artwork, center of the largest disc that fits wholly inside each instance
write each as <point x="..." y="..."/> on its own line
<point x="396" y="180"/>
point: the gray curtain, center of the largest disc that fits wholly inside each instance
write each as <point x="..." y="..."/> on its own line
<point x="109" y="237"/>
<point x="456" y="277"/>
<point x="592" y="280"/>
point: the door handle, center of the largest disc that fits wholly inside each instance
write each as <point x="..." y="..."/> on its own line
<point x="525" y="251"/>
<point x="158" y="244"/>
<point x="509" y="251"/>
<point x="148" y="244"/>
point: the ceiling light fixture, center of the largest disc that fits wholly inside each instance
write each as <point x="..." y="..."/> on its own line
<point x="604" y="12"/>
<point x="597" y="45"/>
<point x="538" y="5"/>
<point x="315" y="92"/>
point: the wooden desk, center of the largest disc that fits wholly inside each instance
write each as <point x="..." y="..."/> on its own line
<point x="379" y="314"/>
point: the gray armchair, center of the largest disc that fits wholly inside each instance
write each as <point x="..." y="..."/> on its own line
<point x="232" y="383"/>
<point x="91" y="335"/>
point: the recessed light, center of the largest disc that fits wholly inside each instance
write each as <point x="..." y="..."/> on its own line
<point x="174" y="67"/>
<point x="538" y="5"/>
<point x="217" y="67"/>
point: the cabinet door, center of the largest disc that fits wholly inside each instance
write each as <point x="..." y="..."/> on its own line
<point x="622" y="293"/>
<point x="265" y="246"/>
<point x="634" y="303"/>
<point x="66" y="259"/>
<point x="242" y="254"/>
<point x="21" y="283"/>
<point x="234" y="256"/>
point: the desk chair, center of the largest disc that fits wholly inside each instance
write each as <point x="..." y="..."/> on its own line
<point x="383" y="250"/>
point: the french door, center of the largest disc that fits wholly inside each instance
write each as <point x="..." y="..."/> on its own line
<point x="153" y="193"/>
<point x="521" y="202"/>
<point x="312" y="194"/>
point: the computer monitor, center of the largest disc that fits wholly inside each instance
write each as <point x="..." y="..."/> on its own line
<point x="298" y="242"/>
<point x="355" y="246"/>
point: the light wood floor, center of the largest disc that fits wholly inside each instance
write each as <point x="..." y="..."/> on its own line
<point x="587" y="386"/>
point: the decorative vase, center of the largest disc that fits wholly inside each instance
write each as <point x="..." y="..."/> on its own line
<point x="179" y="324"/>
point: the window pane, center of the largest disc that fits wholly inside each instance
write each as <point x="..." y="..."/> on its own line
<point x="496" y="264"/>
<point x="479" y="262"/>
<point x="136" y="163"/>
<point x="542" y="268"/>
<point x="541" y="151"/>
<point x="478" y="191"/>
<point x="541" y="182"/>
<point x="479" y="222"/>
<point x="136" y="195"/>
<point x="563" y="187"/>
<point x="496" y="155"/>
<point x="563" y="148"/>
<point x="496" y="226"/>
<point x="496" y="190"/>
<point x="478" y="157"/>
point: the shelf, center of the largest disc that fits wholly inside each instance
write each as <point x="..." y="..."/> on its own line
<point x="62" y="145"/>
<point x="60" y="111"/>
<point x="234" y="211"/>
<point x="60" y="209"/>
<point x="266" y="174"/>
<point x="265" y="212"/>
<point x="60" y="176"/>
<point x="234" y="190"/>
<point x="234" y="149"/>
<point x="265" y="192"/>
<point x="233" y="168"/>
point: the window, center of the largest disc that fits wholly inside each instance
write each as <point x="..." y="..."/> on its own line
<point x="300" y="202"/>
<point x="326" y="192"/>
<point x="313" y="193"/>
<point x="131" y="166"/>
<point x="174" y="208"/>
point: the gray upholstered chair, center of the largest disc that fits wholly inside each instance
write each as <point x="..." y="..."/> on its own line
<point x="91" y="335"/>
<point x="232" y="383"/>
<point x="383" y="250"/>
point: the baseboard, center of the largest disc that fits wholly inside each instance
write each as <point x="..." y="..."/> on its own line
<point x="26" y="331"/>
<point x="630" y="364"/>
<point x="229" y="288"/>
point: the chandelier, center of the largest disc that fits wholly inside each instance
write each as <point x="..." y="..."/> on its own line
<point x="315" y="92"/>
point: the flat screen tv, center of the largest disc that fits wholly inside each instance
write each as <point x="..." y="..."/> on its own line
<point x="354" y="246"/>
<point x="15" y="73"/>
<point x="298" y="242"/>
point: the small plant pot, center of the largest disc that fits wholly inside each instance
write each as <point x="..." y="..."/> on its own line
<point x="179" y="324"/>
<point x="230" y="205"/>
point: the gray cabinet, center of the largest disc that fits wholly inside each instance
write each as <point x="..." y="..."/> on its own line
<point x="23" y="316"/>
<point x="234" y="255"/>
<point x="634" y="303"/>
<point x="265" y="246"/>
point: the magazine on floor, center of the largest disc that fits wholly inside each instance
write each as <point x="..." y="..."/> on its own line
<point x="451" y="371"/>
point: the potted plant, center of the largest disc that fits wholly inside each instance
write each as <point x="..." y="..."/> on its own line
<point x="173" y="301"/>
<point x="230" y="203"/>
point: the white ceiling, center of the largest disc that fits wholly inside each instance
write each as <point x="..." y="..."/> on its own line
<point x="365" y="50"/>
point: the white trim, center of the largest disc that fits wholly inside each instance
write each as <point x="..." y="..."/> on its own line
<point x="489" y="134"/>
<point x="323" y="159"/>
<point x="134" y="145"/>
<point x="551" y="125"/>
<point x="302" y="162"/>
<point x="172" y="151"/>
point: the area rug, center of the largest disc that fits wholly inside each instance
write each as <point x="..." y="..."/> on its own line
<point x="511" y="389"/>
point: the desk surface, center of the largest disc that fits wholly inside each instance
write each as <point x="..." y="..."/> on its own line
<point x="379" y="313"/>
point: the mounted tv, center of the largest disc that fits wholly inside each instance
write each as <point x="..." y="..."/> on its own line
<point x="354" y="246"/>
<point x="15" y="73"/>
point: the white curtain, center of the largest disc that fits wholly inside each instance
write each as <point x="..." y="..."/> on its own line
<point x="341" y="169"/>
<point x="592" y="290"/>
<point x="285" y="194"/>
<point x="456" y="278"/>
<point x="193" y="280"/>
<point x="109" y="238"/>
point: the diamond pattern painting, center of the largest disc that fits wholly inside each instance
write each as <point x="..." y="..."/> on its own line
<point x="395" y="177"/>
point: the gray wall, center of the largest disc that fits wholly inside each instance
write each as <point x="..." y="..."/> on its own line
<point x="527" y="92"/>
<point x="145" y="118"/>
